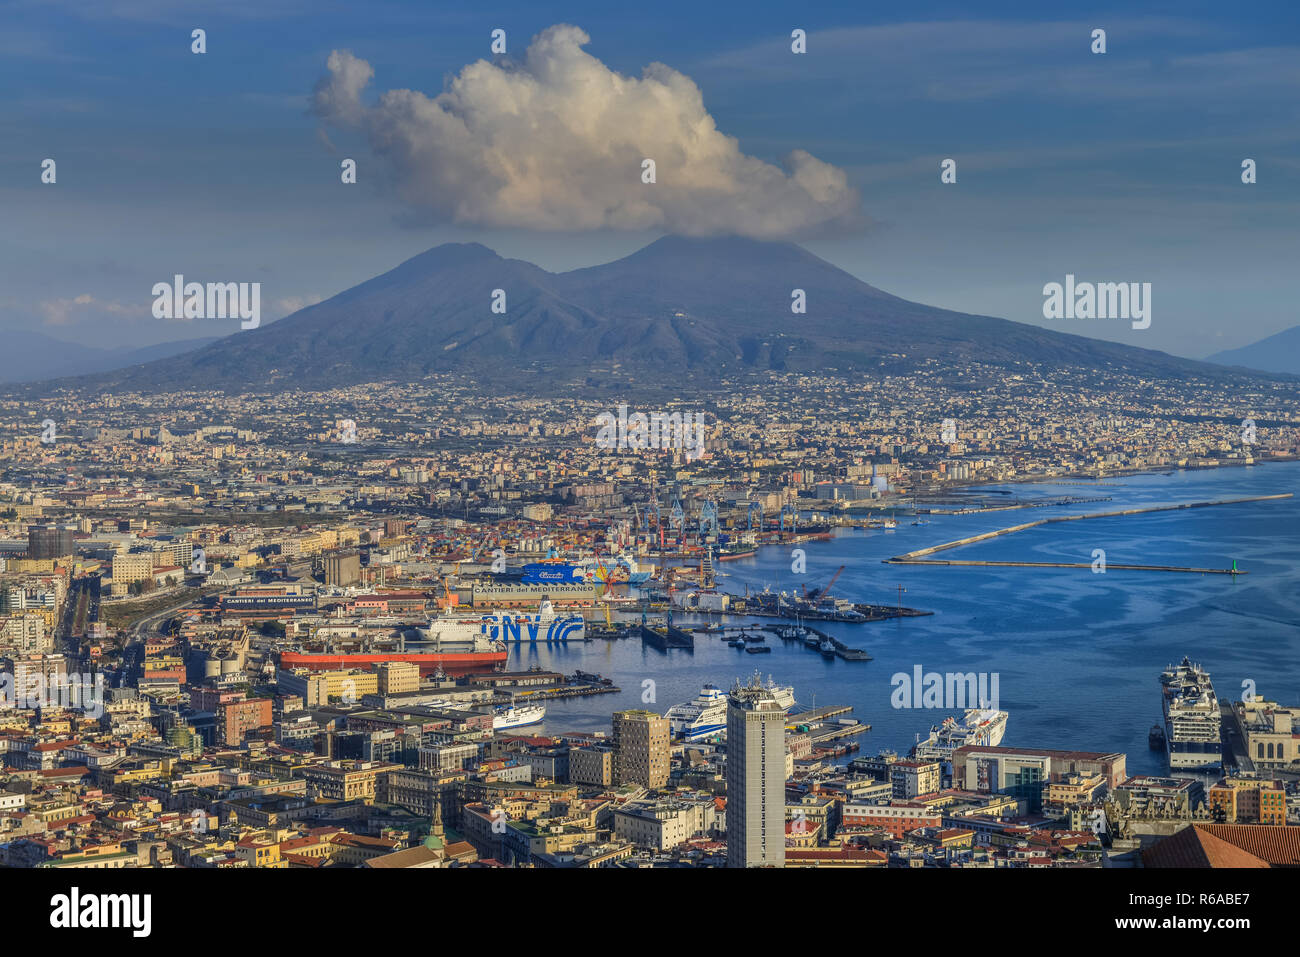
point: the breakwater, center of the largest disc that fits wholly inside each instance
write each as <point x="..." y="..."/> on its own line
<point x="921" y="555"/>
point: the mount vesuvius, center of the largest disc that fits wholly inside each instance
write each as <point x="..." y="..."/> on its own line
<point x="690" y="308"/>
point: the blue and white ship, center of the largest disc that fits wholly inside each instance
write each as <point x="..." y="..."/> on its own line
<point x="517" y="716"/>
<point x="705" y="718"/>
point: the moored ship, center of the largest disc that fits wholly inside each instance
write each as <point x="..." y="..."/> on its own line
<point x="706" y="716"/>
<point x="456" y="644"/>
<point x="1193" y="722"/>
<point x="517" y="717"/>
<point x="978" y="727"/>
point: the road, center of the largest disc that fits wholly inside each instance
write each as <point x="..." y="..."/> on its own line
<point x="141" y="631"/>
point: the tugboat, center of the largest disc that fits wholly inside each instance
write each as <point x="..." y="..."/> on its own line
<point x="1156" y="738"/>
<point x="827" y="648"/>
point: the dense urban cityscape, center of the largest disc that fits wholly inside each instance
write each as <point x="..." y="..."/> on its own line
<point x="759" y="442"/>
<point x="239" y="633"/>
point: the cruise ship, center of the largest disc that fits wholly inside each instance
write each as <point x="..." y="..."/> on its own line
<point x="706" y="716"/>
<point x="1192" y="718"/>
<point x="979" y="726"/>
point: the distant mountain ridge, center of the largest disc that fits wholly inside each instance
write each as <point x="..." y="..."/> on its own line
<point x="33" y="356"/>
<point x="1279" y="352"/>
<point x="677" y="307"/>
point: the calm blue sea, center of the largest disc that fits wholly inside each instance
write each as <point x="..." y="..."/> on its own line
<point x="1077" y="654"/>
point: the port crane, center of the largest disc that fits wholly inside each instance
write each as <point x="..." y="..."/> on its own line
<point x="794" y="518"/>
<point x="708" y="519"/>
<point x="755" y="507"/>
<point x="474" y="554"/>
<point x="818" y="594"/>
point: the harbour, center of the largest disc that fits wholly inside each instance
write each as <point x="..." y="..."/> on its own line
<point x="1116" y="631"/>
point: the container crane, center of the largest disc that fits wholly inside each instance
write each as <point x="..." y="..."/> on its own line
<point x="708" y="519"/>
<point x="794" y="518"/>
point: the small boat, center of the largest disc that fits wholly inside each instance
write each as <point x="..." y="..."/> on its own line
<point x="736" y="643"/>
<point x="758" y="650"/>
<point x="1156" y="738"/>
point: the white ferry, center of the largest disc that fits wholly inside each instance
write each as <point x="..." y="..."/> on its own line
<point x="979" y="726"/>
<point x="518" y="717"/>
<point x="706" y="716"/>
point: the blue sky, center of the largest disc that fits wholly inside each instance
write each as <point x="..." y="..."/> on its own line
<point x="1119" y="167"/>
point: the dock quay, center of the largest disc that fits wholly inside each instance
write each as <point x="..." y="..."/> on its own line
<point x="817" y="715"/>
<point x="577" y="691"/>
<point x="621" y="630"/>
<point x="872" y="612"/>
<point x="842" y="650"/>
<point x="837" y="732"/>
<point x="825" y="731"/>
<point x="886" y="612"/>
<point x="995" y="506"/>
<point x="538" y="685"/>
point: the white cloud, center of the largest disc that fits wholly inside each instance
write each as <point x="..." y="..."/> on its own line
<point x="291" y="304"/>
<point x="58" y="312"/>
<point x="556" y="142"/>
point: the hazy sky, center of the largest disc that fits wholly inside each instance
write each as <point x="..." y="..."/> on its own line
<point x="1124" y="166"/>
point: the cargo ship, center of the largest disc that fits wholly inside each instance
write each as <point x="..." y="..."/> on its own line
<point x="1193" y="732"/>
<point x="478" y="654"/>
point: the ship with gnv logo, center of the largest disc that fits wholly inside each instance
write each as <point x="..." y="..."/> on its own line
<point x="457" y="644"/>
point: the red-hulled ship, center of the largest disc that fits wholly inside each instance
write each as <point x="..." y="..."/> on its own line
<point x="452" y="662"/>
<point x="455" y="645"/>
